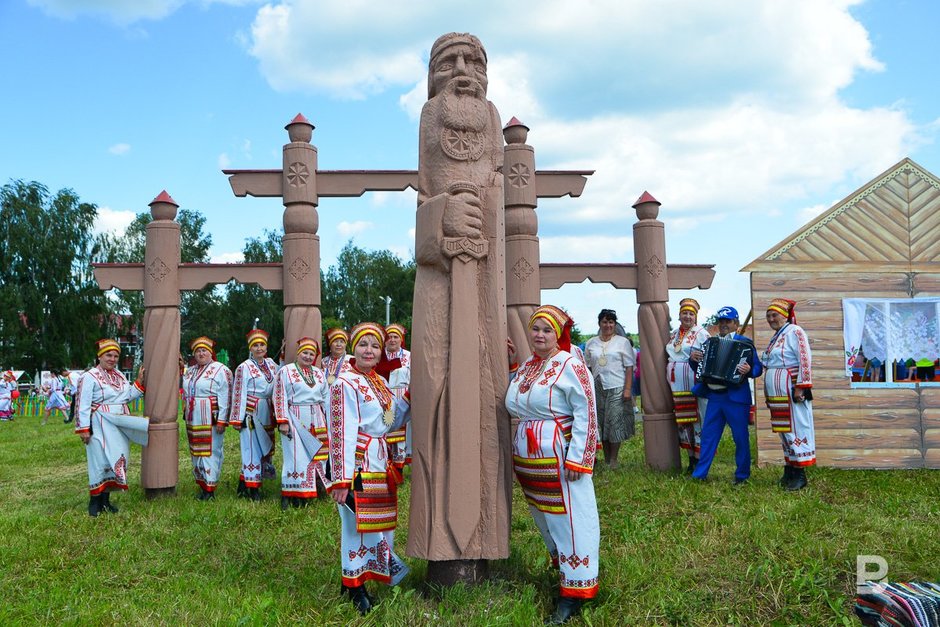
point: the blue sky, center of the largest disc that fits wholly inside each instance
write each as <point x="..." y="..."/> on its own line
<point x="745" y="118"/>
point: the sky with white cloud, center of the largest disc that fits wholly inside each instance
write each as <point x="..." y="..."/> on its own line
<point x="744" y="118"/>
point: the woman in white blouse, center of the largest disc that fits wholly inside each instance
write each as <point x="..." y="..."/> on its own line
<point x="611" y="359"/>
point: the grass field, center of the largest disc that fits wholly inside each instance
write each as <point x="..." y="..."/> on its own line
<point x="673" y="551"/>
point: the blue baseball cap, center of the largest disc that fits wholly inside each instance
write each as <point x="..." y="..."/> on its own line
<point x="727" y="313"/>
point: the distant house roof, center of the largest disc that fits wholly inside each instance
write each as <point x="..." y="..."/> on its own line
<point x="890" y="223"/>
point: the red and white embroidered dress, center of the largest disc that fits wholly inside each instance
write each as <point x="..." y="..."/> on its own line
<point x="689" y="409"/>
<point x="101" y="409"/>
<point x="787" y="365"/>
<point x="554" y="402"/>
<point x="251" y="413"/>
<point x="206" y="399"/>
<point x="359" y="421"/>
<point x="300" y="400"/>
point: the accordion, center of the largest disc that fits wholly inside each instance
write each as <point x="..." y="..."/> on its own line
<point x="720" y="361"/>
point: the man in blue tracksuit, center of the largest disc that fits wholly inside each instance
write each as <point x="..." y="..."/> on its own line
<point x="727" y="405"/>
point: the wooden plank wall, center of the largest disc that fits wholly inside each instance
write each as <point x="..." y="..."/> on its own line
<point x="855" y="428"/>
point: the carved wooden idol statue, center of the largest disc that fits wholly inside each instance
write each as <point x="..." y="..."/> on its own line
<point x="461" y="472"/>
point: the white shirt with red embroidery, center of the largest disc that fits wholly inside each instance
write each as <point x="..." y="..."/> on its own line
<point x="557" y="388"/>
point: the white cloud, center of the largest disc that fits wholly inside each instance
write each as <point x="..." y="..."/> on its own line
<point x="120" y="149"/>
<point x="351" y="229"/>
<point x="113" y="221"/>
<point x="227" y="258"/>
<point x="586" y="249"/>
<point x="225" y="162"/>
<point x="809" y="213"/>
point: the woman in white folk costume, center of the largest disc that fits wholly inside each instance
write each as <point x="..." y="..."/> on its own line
<point x="337" y="360"/>
<point x="363" y="410"/>
<point x="106" y="426"/>
<point x="207" y="389"/>
<point x="251" y="413"/>
<point x="552" y="396"/>
<point x="7" y="386"/>
<point x="680" y="373"/>
<point x="300" y="393"/>
<point x="399" y="440"/>
<point x="55" y="393"/>
<point x="788" y="383"/>
<point x="611" y="359"/>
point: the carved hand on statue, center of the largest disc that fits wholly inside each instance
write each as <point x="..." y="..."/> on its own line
<point x="463" y="216"/>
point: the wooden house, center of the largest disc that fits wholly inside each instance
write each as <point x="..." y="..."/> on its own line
<point x="878" y="249"/>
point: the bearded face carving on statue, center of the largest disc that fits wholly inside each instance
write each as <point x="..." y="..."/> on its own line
<point x="459" y="117"/>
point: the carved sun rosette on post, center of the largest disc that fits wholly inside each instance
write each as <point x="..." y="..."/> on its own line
<point x="157" y="269"/>
<point x="297" y="174"/>
<point x="655" y="266"/>
<point x="522" y="269"/>
<point x="462" y="145"/>
<point x="519" y="175"/>
<point x="299" y="269"/>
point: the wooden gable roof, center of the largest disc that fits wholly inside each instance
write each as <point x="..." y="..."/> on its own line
<point x="890" y="223"/>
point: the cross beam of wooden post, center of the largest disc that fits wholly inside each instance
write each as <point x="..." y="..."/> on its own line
<point x="652" y="279"/>
<point x="162" y="277"/>
<point x="302" y="185"/>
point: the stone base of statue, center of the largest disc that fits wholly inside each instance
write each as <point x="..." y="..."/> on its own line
<point x="450" y="572"/>
<point x="156" y="493"/>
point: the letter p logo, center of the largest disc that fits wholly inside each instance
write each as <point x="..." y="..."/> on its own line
<point x="869" y="581"/>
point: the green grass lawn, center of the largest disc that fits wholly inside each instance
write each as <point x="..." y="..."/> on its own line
<point x="673" y="551"/>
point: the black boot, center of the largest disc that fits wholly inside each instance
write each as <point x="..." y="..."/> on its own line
<point x="285" y="502"/>
<point x="94" y="505"/>
<point x="693" y="462"/>
<point x="360" y="599"/>
<point x="205" y="495"/>
<point x="566" y="609"/>
<point x="787" y="476"/>
<point x="254" y="494"/>
<point x="106" y="505"/>
<point x="798" y="480"/>
<point x="242" y="490"/>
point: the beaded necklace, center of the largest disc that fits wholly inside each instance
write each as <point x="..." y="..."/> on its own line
<point x="306" y="373"/>
<point x="265" y="369"/>
<point x="382" y="394"/>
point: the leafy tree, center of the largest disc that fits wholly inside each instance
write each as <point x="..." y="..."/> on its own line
<point x="51" y="310"/>
<point x="354" y="289"/>
<point x="247" y="302"/>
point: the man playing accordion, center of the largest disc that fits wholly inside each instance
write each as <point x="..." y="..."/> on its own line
<point x="728" y="404"/>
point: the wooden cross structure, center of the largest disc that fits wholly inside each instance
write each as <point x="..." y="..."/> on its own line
<point x="300" y="184"/>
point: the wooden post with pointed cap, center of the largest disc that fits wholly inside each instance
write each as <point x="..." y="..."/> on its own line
<point x="660" y="434"/>
<point x="161" y="286"/>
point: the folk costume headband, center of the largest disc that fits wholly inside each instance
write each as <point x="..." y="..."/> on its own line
<point x="308" y="344"/>
<point x="202" y="342"/>
<point x="336" y="333"/>
<point x="106" y="345"/>
<point x="785" y="307"/>
<point x="395" y="328"/>
<point x="560" y="322"/>
<point x="257" y="335"/>
<point x="689" y="304"/>
<point x="367" y="328"/>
